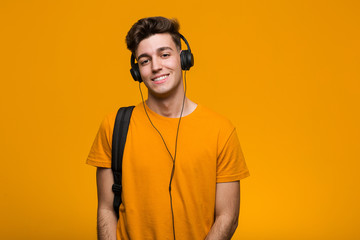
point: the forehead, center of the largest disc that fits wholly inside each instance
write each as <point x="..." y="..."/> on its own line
<point x="154" y="42"/>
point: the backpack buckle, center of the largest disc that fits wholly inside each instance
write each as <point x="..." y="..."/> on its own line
<point x="116" y="188"/>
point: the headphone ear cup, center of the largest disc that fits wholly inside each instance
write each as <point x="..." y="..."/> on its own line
<point x="135" y="72"/>
<point x="187" y="59"/>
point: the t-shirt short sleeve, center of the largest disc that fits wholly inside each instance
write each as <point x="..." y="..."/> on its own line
<point x="100" y="152"/>
<point x="231" y="164"/>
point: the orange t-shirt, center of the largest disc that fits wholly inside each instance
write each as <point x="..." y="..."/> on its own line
<point x="208" y="152"/>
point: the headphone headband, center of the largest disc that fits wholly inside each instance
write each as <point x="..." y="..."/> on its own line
<point x="186" y="42"/>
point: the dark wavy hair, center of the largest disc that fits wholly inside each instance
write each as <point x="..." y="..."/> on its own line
<point x="147" y="27"/>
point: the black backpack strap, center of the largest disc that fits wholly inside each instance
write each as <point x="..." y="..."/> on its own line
<point x="121" y="127"/>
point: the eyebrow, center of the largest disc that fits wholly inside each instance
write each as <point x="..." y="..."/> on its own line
<point x="157" y="50"/>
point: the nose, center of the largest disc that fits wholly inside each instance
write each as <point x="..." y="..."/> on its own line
<point x="156" y="64"/>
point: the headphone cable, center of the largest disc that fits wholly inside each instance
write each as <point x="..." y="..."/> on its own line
<point x="176" y="139"/>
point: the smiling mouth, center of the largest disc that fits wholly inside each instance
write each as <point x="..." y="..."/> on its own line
<point x="160" y="78"/>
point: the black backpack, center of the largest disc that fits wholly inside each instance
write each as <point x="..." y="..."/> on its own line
<point x="121" y="128"/>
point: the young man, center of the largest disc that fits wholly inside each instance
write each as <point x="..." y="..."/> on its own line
<point x="197" y="199"/>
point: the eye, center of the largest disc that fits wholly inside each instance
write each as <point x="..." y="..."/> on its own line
<point x="165" y="55"/>
<point x="144" y="62"/>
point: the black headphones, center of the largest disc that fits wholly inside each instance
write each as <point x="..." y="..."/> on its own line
<point x="186" y="59"/>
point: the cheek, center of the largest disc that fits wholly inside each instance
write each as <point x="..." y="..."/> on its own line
<point x="176" y="64"/>
<point x="144" y="71"/>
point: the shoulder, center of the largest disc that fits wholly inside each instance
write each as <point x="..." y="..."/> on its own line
<point x="214" y="117"/>
<point x="212" y="124"/>
<point x="109" y="119"/>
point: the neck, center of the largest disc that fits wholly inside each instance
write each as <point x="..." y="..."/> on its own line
<point x="171" y="105"/>
<point x="172" y="109"/>
<point x="168" y="107"/>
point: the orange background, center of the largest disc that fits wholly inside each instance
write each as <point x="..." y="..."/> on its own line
<point x="285" y="72"/>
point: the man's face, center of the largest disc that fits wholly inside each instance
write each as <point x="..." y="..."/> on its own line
<point x="160" y="66"/>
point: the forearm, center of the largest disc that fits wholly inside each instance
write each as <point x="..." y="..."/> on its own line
<point x="106" y="218"/>
<point x="106" y="224"/>
<point x="223" y="228"/>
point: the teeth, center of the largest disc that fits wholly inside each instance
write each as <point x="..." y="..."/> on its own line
<point x="160" y="78"/>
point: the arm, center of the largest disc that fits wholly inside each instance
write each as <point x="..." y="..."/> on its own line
<point x="227" y="205"/>
<point x="106" y="218"/>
